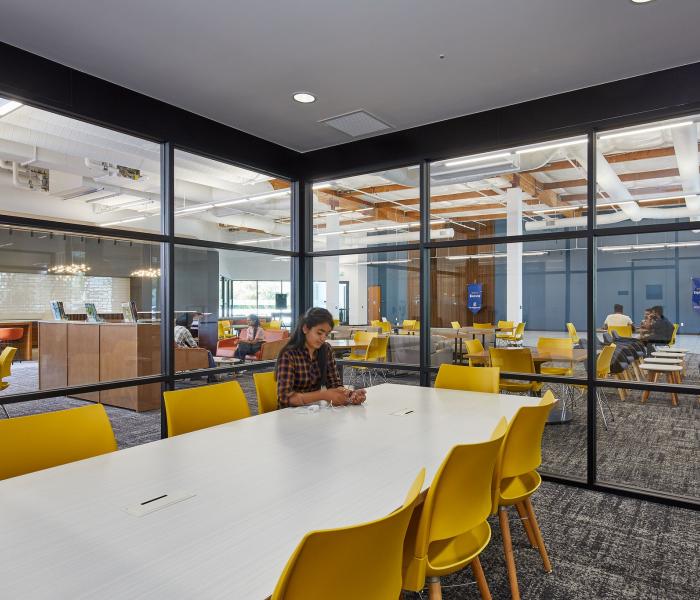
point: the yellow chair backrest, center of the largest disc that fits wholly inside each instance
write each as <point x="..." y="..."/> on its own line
<point x="469" y="379"/>
<point x="455" y="325"/>
<point x="204" y="406"/>
<point x="266" y="391"/>
<point x="328" y="563"/>
<point x="673" y="335"/>
<point x="604" y="360"/>
<point x="222" y="330"/>
<point x="275" y="324"/>
<point x="573" y="334"/>
<point x="622" y="330"/>
<point x="483" y="326"/>
<point x="458" y="500"/>
<point x="514" y="360"/>
<point x="519" y="330"/>
<point x="377" y="348"/>
<point x="375" y="323"/>
<point x="36" y="442"/>
<point x="364" y="338"/>
<point x="6" y="358"/>
<point x="336" y="322"/>
<point x="560" y="346"/>
<point x="474" y="346"/>
<point x="409" y="324"/>
<point x="506" y="324"/>
<point x="386" y="326"/>
<point x="521" y="451"/>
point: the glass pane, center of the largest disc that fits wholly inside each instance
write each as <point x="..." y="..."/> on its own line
<point x="213" y="339"/>
<point x="69" y="305"/>
<point x="517" y="296"/>
<point x="383" y="294"/>
<point x="510" y="192"/>
<point x="646" y="290"/>
<point x="367" y="210"/>
<point x="55" y="167"/>
<point x="648" y="174"/>
<point x="221" y="202"/>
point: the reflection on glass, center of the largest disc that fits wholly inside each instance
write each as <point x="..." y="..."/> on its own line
<point x="221" y="202"/>
<point x="55" y="167"/>
<point x="510" y="192"/>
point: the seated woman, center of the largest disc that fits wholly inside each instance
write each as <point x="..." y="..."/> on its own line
<point x="255" y="338"/>
<point x="184" y="339"/>
<point x="306" y="371"/>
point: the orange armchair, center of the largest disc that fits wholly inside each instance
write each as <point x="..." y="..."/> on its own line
<point x="228" y="347"/>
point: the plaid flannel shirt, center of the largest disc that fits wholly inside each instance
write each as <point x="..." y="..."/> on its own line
<point x="298" y="372"/>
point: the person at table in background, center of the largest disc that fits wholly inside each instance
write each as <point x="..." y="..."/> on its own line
<point x="255" y="336"/>
<point x="618" y="318"/>
<point x="661" y="330"/>
<point x="306" y="371"/>
<point x="184" y="339"/>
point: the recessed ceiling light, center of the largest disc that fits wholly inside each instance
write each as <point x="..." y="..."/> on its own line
<point x="641" y="1"/>
<point x="304" y="97"/>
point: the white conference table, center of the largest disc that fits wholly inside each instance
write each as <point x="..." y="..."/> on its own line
<point x="260" y="484"/>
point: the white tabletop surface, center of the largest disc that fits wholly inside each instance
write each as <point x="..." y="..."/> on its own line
<point x="260" y="484"/>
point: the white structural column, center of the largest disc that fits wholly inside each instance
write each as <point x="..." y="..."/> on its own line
<point x="332" y="265"/>
<point x="514" y="258"/>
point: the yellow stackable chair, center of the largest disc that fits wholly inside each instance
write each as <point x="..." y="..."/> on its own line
<point x="36" y="442"/>
<point x="274" y="324"/>
<point x="6" y="358"/>
<point x="361" y="337"/>
<point x="204" y="406"/>
<point x="386" y="326"/>
<point x="409" y="324"/>
<point x="573" y="334"/>
<point x="563" y="347"/>
<point x="376" y="351"/>
<point x="603" y="372"/>
<point x="515" y="337"/>
<point x="469" y="379"/>
<point x="475" y="347"/>
<point x="224" y="328"/>
<point x="508" y="328"/>
<point x="455" y="325"/>
<point x="482" y="326"/>
<point x="515" y="360"/>
<point x="516" y="479"/>
<point x="360" y="561"/>
<point x="450" y="530"/>
<point x="266" y="391"/>
<point x="622" y="330"/>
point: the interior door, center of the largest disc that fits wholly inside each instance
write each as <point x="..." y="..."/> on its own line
<point x="374" y="303"/>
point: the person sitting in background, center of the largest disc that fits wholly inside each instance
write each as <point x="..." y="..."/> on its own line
<point x="306" y="371"/>
<point x="254" y="340"/>
<point x="618" y="318"/>
<point x="184" y="339"/>
<point x="662" y="329"/>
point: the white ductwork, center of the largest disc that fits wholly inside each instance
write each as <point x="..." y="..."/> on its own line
<point x="685" y="143"/>
<point x="399" y="238"/>
<point x="248" y="222"/>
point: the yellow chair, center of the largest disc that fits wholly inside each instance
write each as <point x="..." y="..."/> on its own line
<point x="409" y="324"/>
<point x="364" y="338"/>
<point x="563" y="350"/>
<point x="450" y="530"/>
<point x="515" y="360"/>
<point x="506" y="332"/>
<point x="573" y="334"/>
<point x="469" y="379"/>
<point x="514" y="338"/>
<point x="375" y="323"/>
<point x="603" y="363"/>
<point x="376" y="351"/>
<point x="336" y="322"/>
<point x="516" y="479"/>
<point x="36" y="442"/>
<point x="386" y="326"/>
<point x="359" y="561"/>
<point x="482" y="326"/>
<point x="6" y="358"/>
<point x="266" y="391"/>
<point x="455" y="325"/>
<point x="204" y="406"/>
<point x="622" y="330"/>
<point x="224" y="328"/>
<point x="274" y="324"/>
<point x="673" y="336"/>
<point x="475" y="347"/>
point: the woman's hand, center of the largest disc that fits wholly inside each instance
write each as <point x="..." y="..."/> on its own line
<point x="358" y="396"/>
<point x="338" y="396"/>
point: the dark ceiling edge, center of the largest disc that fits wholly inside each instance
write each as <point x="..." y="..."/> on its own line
<point x="47" y="84"/>
<point x="624" y="102"/>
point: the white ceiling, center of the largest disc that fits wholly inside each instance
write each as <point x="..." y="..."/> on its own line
<point x="239" y="62"/>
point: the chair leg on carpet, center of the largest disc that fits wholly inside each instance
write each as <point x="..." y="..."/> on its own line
<point x="508" y="553"/>
<point x="481" y="579"/>
<point x="5" y="411"/>
<point x="600" y="408"/>
<point x="538" y="536"/>
<point x="522" y="511"/>
<point x="434" y="588"/>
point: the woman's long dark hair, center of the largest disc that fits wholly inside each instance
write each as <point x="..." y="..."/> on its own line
<point x="312" y="317"/>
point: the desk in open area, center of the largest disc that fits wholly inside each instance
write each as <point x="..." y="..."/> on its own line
<point x="71" y="536"/>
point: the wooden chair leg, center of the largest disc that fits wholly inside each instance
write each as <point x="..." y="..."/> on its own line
<point x="538" y="536"/>
<point x="522" y="511"/>
<point x="653" y="376"/>
<point x="480" y="579"/>
<point x="508" y="553"/>
<point x="671" y="378"/>
<point x="622" y="393"/>
<point x="434" y="588"/>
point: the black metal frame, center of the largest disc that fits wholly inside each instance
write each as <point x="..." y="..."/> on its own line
<point x="667" y="94"/>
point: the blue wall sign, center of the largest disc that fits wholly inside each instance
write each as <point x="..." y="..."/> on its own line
<point x="696" y="293"/>
<point x="474" y="297"/>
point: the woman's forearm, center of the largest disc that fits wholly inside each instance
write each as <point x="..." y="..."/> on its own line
<point x="300" y="399"/>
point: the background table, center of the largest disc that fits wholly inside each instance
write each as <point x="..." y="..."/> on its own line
<point x="261" y="483"/>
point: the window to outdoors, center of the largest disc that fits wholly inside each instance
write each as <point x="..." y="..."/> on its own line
<point x="510" y="192"/>
<point x="55" y="167"/>
<point x="220" y="202"/>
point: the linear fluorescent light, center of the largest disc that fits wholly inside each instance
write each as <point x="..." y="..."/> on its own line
<point x="609" y="136"/>
<point x="262" y="240"/>
<point x="502" y="255"/>
<point x="438" y="221"/>
<point x="476" y="159"/>
<point x="396" y="261"/>
<point x="397" y="226"/>
<point x="230" y="202"/>
<point x="550" y="146"/>
<point x="321" y="186"/>
<point x="132" y="220"/>
<point x="191" y="209"/>
<point x="645" y="200"/>
<point x="7" y="106"/>
<point x="648" y="246"/>
<point x="270" y="195"/>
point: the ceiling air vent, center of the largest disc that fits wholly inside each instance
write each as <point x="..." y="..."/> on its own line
<point x="356" y="123"/>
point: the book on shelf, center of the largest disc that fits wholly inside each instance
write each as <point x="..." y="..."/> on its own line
<point x="129" y="311"/>
<point x="57" y="310"/>
<point x="91" y="313"/>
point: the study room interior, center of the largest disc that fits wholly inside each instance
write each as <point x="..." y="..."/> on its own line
<point x="562" y="263"/>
